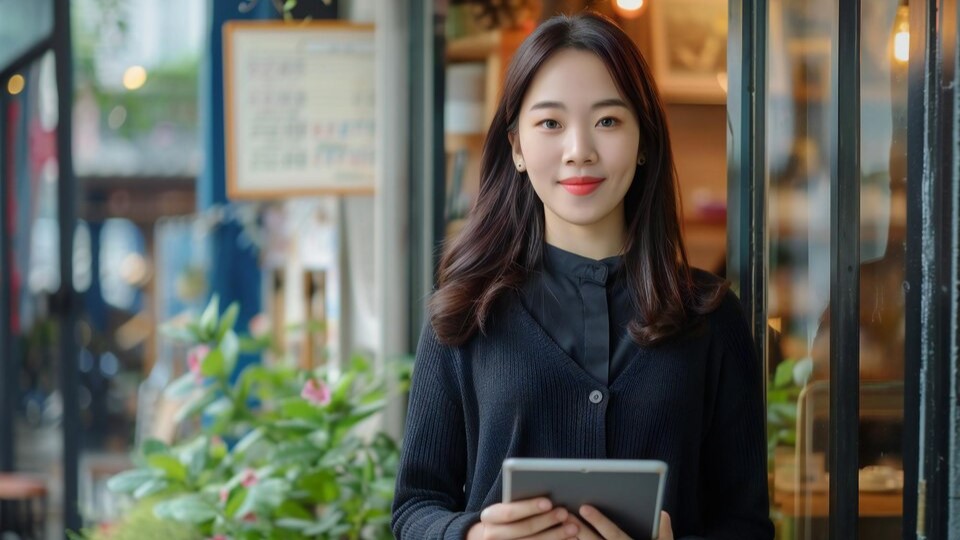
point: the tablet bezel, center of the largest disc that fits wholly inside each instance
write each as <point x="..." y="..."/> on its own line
<point x="566" y="465"/>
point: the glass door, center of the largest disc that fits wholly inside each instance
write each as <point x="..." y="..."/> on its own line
<point x="802" y="114"/>
<point x="828" y="228"/>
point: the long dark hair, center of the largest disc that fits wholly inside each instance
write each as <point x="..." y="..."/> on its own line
<point x="502" y="240"/>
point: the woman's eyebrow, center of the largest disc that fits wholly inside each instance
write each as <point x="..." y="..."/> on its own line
<point x="612" y="102"/>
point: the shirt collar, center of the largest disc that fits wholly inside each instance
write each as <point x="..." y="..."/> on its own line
<point x="559" y="262"/>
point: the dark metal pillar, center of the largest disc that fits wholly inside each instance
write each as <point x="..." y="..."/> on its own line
<point x="746" y="163"/>
<point x="845" y="277"/>
<point x="8" y="375"/>
<point x="66" y="298"/>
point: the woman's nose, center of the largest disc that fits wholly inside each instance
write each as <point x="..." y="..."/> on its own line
<point x="580" y="148"/>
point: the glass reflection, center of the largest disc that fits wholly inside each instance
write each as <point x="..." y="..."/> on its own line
<point x="798" y="156"/>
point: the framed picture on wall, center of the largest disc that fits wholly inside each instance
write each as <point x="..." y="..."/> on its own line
<point x="690" y="49"/>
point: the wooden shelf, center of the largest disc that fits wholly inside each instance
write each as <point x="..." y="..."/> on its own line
<point x="473" y="48"/>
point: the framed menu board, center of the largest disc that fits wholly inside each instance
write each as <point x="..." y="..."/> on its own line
<point x="299" y="108"/>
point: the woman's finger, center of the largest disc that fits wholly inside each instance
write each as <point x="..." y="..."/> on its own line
<point x="607" y="529"/>
<point x="515" y="511"/>
<point x="531" y="526"/>
<point x="666" y="528"/>
<point x="586" y="533"/>
<point x="562" y="531"/>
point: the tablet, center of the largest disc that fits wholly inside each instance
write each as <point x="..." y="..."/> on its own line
<point x="629" y="492"/>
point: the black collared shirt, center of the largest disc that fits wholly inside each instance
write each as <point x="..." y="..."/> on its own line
<point x="584" y="306"/>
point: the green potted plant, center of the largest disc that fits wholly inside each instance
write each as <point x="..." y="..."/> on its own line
<point x="279" y="453"/>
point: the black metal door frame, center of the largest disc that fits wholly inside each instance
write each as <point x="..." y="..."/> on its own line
<point x="65" y="300"/>
<point x="933" y="189"/>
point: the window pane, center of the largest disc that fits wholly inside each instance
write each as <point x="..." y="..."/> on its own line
<point x="136" y="87"/>
<point x="798" y="160"/>
<point x="883" y="157"/>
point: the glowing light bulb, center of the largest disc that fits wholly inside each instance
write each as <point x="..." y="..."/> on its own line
<point x="134" y="77"/>
<point x="629" y="8"/>
<point x="901" y="36"/>
<point x="901" y="46"/>
<point x="15" y="84"/>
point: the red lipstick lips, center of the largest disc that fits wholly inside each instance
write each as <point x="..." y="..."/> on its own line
<point x="581" y="185"/>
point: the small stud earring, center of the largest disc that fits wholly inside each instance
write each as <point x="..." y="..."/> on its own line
<point x="520" y="166"/>
<point x="641" y="160"/>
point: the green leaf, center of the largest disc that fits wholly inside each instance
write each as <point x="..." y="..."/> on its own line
<point x="254" y="375"/>
<point x="359" y="364"/>
<point x="802" y="371"/>
<point x="151" y="487"/>
<point x="319" y="438"/>
<point x="194" y="405"/>
<point x="294" y="523"/>
<point x="208" y="321"/>
<point x="330" y="519"/>
<point x="297" y="425"/>
<point x="321" y="485"/>
<point x="129" y="481"/>
<point x="182" y="334"/>
<point x="220" y="407"/>
<point x="194" y="454"/>
<point x="230" y="349"/>
<point x="227" y="320"/>
<point x="385" y="486"/>
<point x="154" y="446"/>
<point x="236" y="499"/>
<point x="170" y="465"/>
<point x="296" y="451"/>
<point x="343" y="387"/>
<point x="293" y="510"/>
<point x="249" y="440"/>
<point x="191" y="508"/>
<point x="783" y="377"/>
<point x="213" y="364"/>
<point x="788" y="436"/>
<point x="182" y="385"/>
<point x="300" y="408"/>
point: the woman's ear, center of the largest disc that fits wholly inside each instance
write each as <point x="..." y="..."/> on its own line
<point x="515" y="153"/>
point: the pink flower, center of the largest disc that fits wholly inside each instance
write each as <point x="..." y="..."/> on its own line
<point x="250" y="517"/>
<point x="316" y="393"/>
<point x="195" y="358"/>
<point x="249" y="478"/>
<point x="224" y="495"/>
<point x="259" y="325"/>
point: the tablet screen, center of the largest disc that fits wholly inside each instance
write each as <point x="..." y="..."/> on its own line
<point x="629" y="492"/>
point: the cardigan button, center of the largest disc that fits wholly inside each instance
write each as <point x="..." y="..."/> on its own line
<point x="596" y="396"/>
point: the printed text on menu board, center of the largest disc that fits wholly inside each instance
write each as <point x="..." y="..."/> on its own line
<point x="307" y="111"/>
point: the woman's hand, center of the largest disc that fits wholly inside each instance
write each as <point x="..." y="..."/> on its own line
<point x="608" y="530"/>
<point x="533" y="519"/>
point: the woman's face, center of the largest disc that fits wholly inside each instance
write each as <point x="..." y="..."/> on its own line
<point x="578" y="140"/>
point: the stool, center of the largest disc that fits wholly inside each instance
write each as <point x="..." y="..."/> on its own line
<point x="23" y="506"/>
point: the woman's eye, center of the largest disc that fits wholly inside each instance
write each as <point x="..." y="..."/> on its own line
<point x="607" y="122"/>
<point x="550" y="124"/>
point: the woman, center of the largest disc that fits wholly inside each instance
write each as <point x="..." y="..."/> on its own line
<point x="567" y="322"/>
